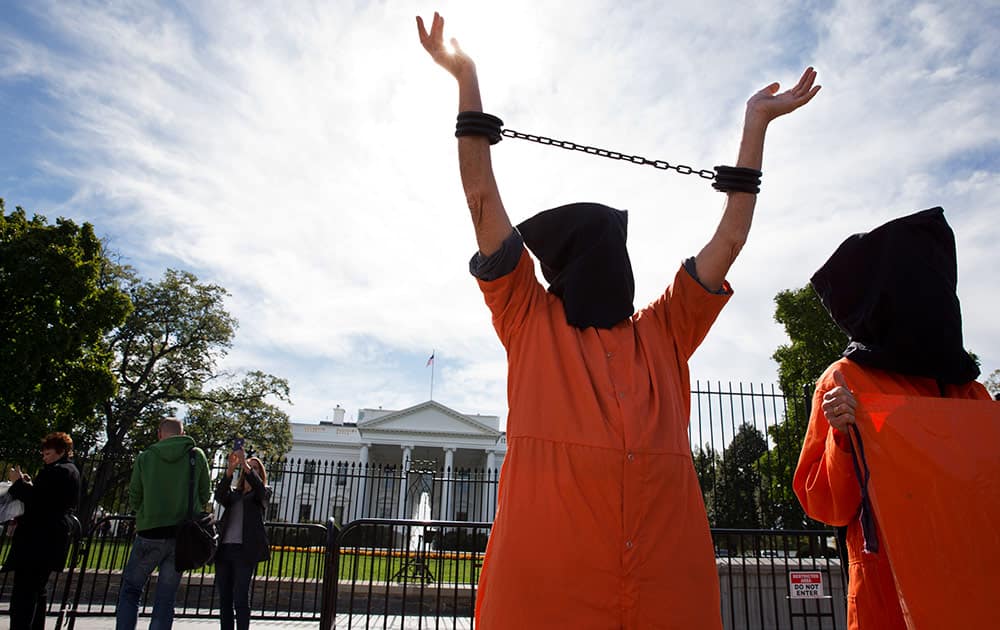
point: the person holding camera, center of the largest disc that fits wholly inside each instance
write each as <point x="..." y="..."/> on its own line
<point x="242" y="536"/>
<point x="42" y="536"/>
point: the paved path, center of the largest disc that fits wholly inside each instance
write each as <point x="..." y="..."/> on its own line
<point x="402" y="623"/>
<point x="357" y="622"/>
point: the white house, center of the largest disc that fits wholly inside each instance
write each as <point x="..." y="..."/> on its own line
<point x="427" y="461"/>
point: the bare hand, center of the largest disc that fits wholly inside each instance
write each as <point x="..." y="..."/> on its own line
<point x="234" y="461"/>
<point x="767" y="104"/>
<point x="456" y="62"/>
<point x="16" y="474"/>
<point x="839" y="404"/>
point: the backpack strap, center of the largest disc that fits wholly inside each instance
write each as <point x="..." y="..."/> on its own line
<point x="191" y="483"/>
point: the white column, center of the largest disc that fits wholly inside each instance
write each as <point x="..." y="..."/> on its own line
<point x="407" y="452"/>
<point x="361" y="500"/>
<point x="446" y="485"/>
<point x="489" y="491"/>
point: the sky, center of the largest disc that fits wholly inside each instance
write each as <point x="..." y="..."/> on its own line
<point x="301" y="154"/>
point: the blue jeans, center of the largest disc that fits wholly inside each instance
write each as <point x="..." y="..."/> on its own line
<point x="147" y="554"/>
<point x="233" y="575"/>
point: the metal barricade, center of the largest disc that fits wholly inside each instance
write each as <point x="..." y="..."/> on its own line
<point x="288" y="586"/>
<point x="384" y="568"/>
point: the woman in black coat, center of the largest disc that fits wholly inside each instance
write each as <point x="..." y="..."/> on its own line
<point x="42" y="535"/>
<point x="242" y="537"/>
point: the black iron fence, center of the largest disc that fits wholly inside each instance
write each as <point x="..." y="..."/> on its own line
<point x="426" y="572"/>
<point x="307" y="491"/>
<point x="745" y="443"/>
<point x="780" y="579"/>
<point x="355" y="541"/>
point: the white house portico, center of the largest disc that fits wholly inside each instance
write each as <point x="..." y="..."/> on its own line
<point x="426" y="461"/>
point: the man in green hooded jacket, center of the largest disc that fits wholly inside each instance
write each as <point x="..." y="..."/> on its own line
<point x="158" y="493"/>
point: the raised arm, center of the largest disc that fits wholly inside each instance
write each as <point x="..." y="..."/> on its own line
<point x="489" y="218"/>
<point x="224" y="488"/>
<point x="713" y="262"/>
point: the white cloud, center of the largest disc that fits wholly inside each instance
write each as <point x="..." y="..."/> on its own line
<point x="300" y="155"/>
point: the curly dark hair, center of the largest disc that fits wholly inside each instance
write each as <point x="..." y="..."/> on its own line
<point x="59" y="442"/>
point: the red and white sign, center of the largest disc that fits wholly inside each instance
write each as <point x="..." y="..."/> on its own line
<point x="805" y="584"/>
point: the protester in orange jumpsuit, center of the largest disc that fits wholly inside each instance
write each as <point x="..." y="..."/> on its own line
<point x="601" y="522"/>
<point x="892" y="291"/>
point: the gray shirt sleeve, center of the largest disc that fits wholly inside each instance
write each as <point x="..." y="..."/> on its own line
<point x="693" y="272"/>
<point x="499" y="263"/>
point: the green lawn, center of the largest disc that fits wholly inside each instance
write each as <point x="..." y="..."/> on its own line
<point x="110" y="554"/>
<point x="362" y="567"/>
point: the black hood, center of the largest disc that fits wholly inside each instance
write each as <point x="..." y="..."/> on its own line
<point x="581" y="249"/>
<point x="893" y="291"/>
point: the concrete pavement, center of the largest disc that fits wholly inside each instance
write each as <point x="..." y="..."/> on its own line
<point x="108" y="623"/>
<point x="343" y="622"/>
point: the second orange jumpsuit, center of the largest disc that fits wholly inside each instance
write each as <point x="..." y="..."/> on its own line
<point x="828" y="489"/>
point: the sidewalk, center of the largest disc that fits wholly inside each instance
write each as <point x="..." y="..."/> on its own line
<point x="108" y="623"/>
<point x="358" y="621"/>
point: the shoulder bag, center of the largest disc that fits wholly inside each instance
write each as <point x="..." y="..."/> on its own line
<point x="197" y="534"/>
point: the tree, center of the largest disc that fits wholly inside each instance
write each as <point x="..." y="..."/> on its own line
<point x="780" y="508"/>
<point x="992" y="383"/>
<point x="242" y="410"/>
<point x="735" y="503"/>
<point x="705" y="464"/>
<point x="165" y="357"/>
<point x="89" y="348"/>
<point x="815" y="342"/>
<point x="165" y="353"/>
<point x="55" y="365"/>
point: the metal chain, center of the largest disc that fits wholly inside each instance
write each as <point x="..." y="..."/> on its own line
<point x="613" y="155"/>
